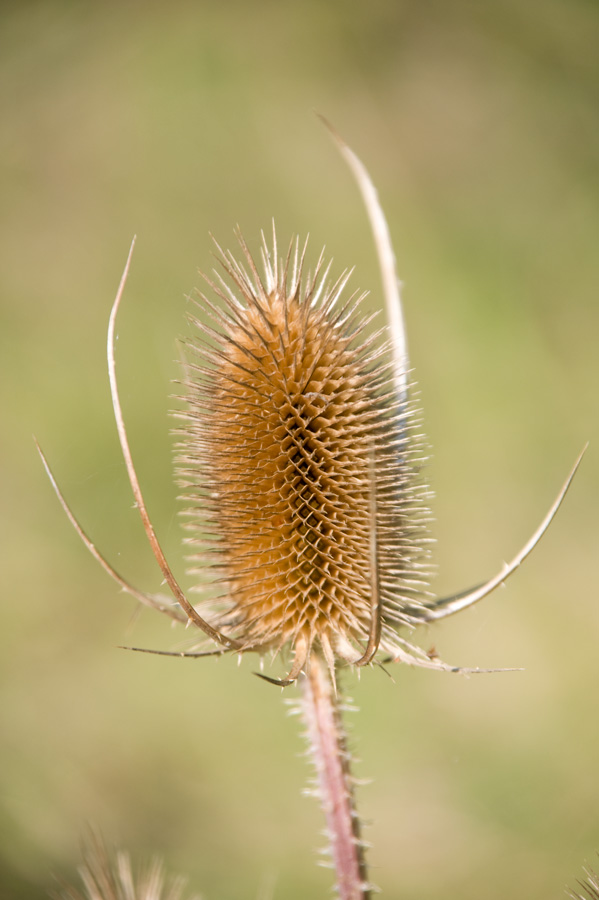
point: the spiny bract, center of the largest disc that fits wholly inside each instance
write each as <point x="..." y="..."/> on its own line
<point x="299" y="463"/>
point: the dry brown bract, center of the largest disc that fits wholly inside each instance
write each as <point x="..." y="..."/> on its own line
<point x="300" y="462"/>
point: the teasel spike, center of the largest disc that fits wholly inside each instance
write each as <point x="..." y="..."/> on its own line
<point x="298" y="269"/>
<point x="238" y="324"/>
<point x="334" y="293"/>
<point x="292" y="251"/>
<point x="223" y="290"/>
<point x="237" y="271"/>
<point x="221" y="317"/>
<point x="269" y="266"/>
<point x="241" y="278"/>
<point x="236" y="321"/>
<point x="317" y="281"/>
<point x="257" y="282"/>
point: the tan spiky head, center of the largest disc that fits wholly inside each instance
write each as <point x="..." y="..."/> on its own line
<point x="108" y="875"/>
<point x="301" y="468"/>
<point x="299" y="464"/>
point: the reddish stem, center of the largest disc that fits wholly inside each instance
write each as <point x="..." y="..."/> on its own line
<point x="332" y="760"/>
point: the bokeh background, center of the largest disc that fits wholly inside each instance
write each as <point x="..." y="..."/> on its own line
<point x="479" y="124"/>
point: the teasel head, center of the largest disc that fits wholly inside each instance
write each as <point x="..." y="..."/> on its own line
<point x="108" y="875"/>
<point x="301" y="461"/>
<point x="589" y="887"/>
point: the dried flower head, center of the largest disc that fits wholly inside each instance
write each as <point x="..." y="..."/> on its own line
<point x="302" y="466"/>
<point x="589" y="886"/>
<point x="109" y="876"/>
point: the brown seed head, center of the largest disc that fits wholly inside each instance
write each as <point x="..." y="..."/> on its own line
<point x="107" y="875"/>
<point x="301" y="467"/>
<point x="299" y="464"/>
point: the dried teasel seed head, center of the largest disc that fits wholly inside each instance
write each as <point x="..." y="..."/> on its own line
<point x="109" y="876"/>
<point x="299" y="464"/>
<point x="589" y="887"/>
<point x="302" y="468"/>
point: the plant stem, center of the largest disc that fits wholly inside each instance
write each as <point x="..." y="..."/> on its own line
<point x="332" y="759"/>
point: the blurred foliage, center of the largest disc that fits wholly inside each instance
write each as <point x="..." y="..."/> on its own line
<point x="479" y="125"/>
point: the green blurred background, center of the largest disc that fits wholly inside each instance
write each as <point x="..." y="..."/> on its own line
<point x="479" y="123"/>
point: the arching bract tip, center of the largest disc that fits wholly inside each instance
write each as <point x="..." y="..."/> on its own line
<point x="386" y="258"/>
<point x="446" y="606"/>
<point x="155" y="546"/>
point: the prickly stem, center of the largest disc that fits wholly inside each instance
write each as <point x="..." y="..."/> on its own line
<point x="332" y="760"/>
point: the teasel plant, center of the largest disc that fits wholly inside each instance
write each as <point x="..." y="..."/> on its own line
<point x="107" y="874"/>
<point x="300" y="458"/>
<point x="589" y="887"/>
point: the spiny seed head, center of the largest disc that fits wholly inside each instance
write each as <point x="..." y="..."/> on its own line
<point x="109" y="876"/>
<point x="590" y="887"/>
<point x="299" y="463"/>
